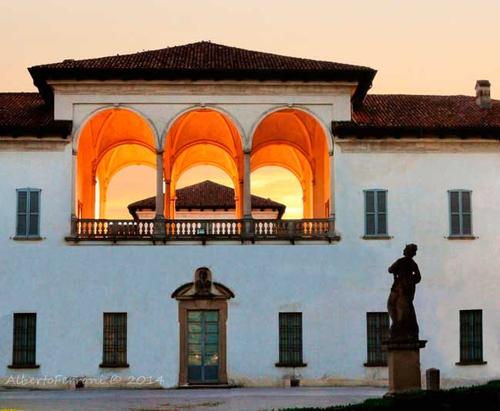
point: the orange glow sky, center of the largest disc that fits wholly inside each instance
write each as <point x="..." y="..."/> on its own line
<point x="420" y="47"/>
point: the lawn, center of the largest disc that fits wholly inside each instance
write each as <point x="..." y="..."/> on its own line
<point x="481" y="398"/>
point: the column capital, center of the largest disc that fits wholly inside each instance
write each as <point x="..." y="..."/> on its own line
<point x="160" y="152"/>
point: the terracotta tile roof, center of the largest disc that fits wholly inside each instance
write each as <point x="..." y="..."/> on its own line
<point x="207" y="195"/>
<point x="418" y="113"/>
<point x="28" y="114"/>
<point x="203" y="61"/>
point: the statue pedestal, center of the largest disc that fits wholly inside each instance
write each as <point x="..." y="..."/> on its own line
<point x="404" y="365"/>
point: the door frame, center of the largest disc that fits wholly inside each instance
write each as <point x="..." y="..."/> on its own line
<point x="202" y="305"/>
<point x="202" y="294"/>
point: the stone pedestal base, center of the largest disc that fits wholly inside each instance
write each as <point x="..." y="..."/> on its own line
<point x="404" y="365"/>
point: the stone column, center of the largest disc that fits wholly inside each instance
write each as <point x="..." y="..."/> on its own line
<point x="331" y="215"/>
<point x="159" y="224"/>
<point x="247" y="198"/>
<point x="73" y="192"/>
<point x="159" y="185"/>
<point x="166" y="200"/>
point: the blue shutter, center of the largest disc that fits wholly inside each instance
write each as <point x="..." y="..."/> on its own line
<point x="381" y="212"/>
<point x="28" y="212"/>
<point x="22" y="213"/>
<point x="375" y="212"/>
<point x="460" y="213"/>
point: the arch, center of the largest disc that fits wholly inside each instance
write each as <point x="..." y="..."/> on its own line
<point x="225" y="113"/>
<point x="326" y="131"/>
<point x="77" y="133"/>
<point x="110" y="139"/>
<point x="295" y="139"/>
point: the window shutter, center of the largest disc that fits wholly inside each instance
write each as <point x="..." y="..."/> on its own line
<point x="34" y="214"/>
<point x="370" y="228"/>
<point x="460" y="213"/>
<point x="22" y="212"/>
<point x="466" y="213"/>
<point x="455" y="212"/>
<point x="381" y="212"/>
<point x="28" y="212"/>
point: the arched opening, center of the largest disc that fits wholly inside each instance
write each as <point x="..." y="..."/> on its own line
<point x="284" y="186"/>
<point x="110" y="141"/>
<point x="205" y="192"/>
<point x="296" y="141"/>
<point x="128" y="185"/>
<point x="202" y="137"/>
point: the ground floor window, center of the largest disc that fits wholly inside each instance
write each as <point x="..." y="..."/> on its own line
<point x="24" y="344"/>
<point x="115" y="340"/>
<point x="471" y="336"/>
<point x="290" y="340"/>
<point x="377" y="331"/>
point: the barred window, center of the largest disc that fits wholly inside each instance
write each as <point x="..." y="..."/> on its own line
<point x="460" y="212"/>
<point x="24" y="344"/>
<point x="115" y="340"/>
<point x="28" y="213"/>
<point x="377" y="330"/>
<point x="375" y="212"/>
<point x="290" y="339"/>
<point x="471" y="336"/>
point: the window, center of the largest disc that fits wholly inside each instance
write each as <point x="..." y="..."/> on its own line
<point x="28" y="213"/>
<point x="377" y="330"/>
<point x="460" y="213"/>
<point x="115" y="340"/>
<point x="24" y="344"/>
<point x="290" y="343"/>
<point x="375" y="213"/>
<point x="471" y="337"/>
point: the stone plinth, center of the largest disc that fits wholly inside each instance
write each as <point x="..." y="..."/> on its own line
<point x="404" y="365"/>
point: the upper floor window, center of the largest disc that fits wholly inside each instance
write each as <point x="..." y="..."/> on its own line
<point x="471" y="336"/>
<point x="24" y="343"/>
<point x="28" y="213"/>
<point x="377" y="331"/>
<point x="375" y="213"/>
<point x="460" y="213"/>
<point x="290" y="340"/>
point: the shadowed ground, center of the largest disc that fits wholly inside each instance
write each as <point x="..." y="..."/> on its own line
<point x="251" y="399"/>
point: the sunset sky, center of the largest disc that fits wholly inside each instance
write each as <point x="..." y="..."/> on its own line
<point x="419" y="47"/>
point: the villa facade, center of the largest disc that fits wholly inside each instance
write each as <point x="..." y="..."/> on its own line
<point x="165" y="300"/>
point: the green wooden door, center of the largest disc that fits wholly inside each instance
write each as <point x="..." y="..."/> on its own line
<point x="203" y="346"/>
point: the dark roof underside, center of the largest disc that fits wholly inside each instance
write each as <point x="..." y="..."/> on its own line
<point x="207" y="195"/>
<point x="28" y="114"/>
<point x="412" y="115"/>
<point x="203" y="61"/>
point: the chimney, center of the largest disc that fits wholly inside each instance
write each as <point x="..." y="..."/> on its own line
<point x="483" y="98"/>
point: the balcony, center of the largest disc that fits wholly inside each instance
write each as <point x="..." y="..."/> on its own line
<point x="242" y="230"/>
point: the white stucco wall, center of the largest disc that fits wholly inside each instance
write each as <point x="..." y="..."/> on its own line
<point x="334" y="285"/>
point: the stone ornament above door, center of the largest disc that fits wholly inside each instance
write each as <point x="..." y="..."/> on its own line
<point x="202" y="288"/>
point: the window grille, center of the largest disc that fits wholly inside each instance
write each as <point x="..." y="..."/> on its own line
<point x="471" y="336"/>
<point x="24" y="347"/>
<point x="290" y="335"/>
<point x="115" y="339"/>
<point x="377" y="331"/>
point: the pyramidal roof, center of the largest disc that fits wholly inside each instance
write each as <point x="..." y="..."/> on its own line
<point x="207" y="195"/>
<point x="203" y="60"/>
